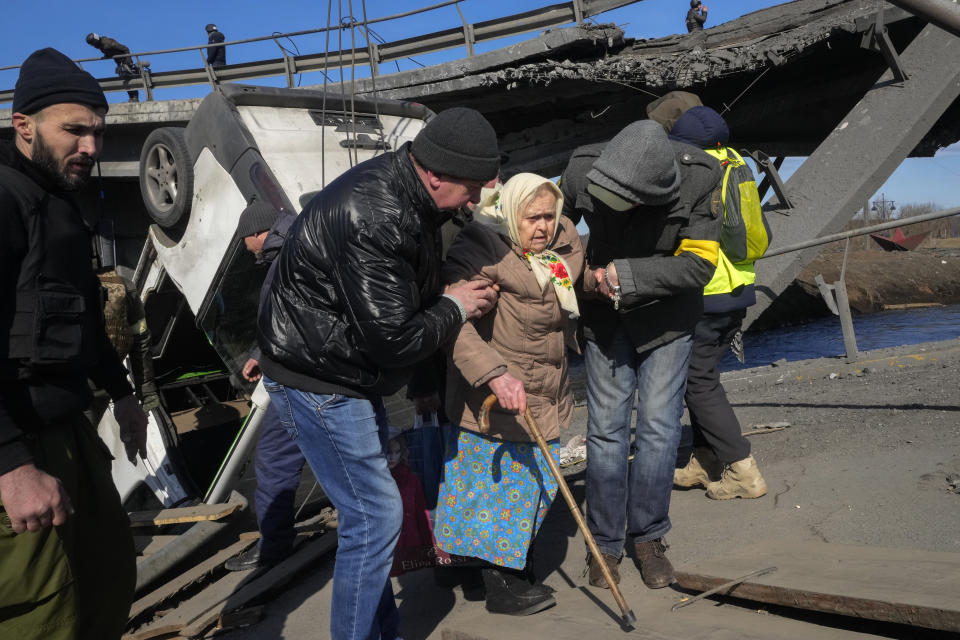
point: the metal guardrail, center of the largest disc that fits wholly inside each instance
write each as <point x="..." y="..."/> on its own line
<point x="373" y="54"/>
<point x="862" y="231"/>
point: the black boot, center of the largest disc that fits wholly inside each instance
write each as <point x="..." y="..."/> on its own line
<point x="509" y="591"/>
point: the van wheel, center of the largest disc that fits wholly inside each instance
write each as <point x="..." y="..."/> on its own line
<point x="166" y="177"/>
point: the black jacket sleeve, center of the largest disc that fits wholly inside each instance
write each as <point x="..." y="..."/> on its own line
<point x="13" y="451"/>
<point x="394" y="327"/>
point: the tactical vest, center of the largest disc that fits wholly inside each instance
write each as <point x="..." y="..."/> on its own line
<point x="50" y="320"/>
<point x="745" y="234"/>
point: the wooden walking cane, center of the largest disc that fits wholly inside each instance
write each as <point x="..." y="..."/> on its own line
<point x="629" y="619"/>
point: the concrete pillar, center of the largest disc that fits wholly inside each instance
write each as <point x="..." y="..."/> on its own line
<point x="860" y="154"/>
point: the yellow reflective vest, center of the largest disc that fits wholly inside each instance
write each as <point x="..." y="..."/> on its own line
<point x="745" y="229"/>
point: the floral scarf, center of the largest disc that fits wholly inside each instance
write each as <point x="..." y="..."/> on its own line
<point x="501" y="210"/>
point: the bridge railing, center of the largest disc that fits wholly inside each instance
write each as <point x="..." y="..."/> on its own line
<point x="370" y="53"/>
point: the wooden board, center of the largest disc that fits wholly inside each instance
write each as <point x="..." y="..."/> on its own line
<point x="148" y="545"/>
<point x="175" y="620"/>
<point x="183" y="514"/>
<point x="906" y="586"/>
<point x="306" y="556"/>
<point x="197" y="573"/>
<point x="211" y="415"/>
<point x="232" y="592"/>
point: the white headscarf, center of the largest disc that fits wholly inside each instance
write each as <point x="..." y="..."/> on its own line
<point x="502" y="210"/>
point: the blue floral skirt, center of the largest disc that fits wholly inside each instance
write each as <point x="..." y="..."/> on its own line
<point x="494" y="497"/>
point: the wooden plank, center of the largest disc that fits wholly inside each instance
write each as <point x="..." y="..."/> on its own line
<point x="148" y="545"/>
<point x="165" y="631"/>
<point x="904" y="586"/>
<point x="166" y="591"/>
<point x="276" y="577"/>
<point x="241" y="618"/>
<point x="175" y="620"/>
<point x="211" y="415"/>
<point x="183" y="514"/>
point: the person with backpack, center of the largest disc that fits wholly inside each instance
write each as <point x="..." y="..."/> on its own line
<point x="722" y="462"/>
<point x="126" y="68"/>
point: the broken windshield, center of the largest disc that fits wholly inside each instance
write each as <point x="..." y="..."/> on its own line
<point x="229" y="316"/>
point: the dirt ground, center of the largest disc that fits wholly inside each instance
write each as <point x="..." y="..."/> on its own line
<point x="865" y="461"/>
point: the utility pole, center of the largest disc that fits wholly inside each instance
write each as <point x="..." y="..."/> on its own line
<point x="884" y="208"/>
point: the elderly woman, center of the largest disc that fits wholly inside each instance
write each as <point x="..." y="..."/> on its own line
<point x="497" y="486"/>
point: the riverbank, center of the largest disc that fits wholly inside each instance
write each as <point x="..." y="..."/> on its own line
<point x="875" y="280"/>
<point x="865" y="461"/>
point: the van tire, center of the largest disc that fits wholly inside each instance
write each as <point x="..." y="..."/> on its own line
<point x="166" y="177"/>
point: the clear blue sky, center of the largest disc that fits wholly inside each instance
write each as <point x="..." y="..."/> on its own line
<point x="147" y="26"/>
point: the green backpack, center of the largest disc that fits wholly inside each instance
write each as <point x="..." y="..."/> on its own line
<point x="745" y="235"/>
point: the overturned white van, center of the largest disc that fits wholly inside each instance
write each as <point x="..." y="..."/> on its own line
<point x="198" y="284"/>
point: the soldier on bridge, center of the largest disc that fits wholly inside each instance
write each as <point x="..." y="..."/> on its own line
<point x="126" y="69"/>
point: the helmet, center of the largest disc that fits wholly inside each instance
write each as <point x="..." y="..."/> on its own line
<point x="93" y="39"/>
<point x="211" y="27"/>
<point x="694" y="4"/>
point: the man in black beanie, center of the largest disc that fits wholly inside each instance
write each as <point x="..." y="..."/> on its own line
<point x="278" y="462"/>
<point x="69" y="566"/>
<point x="355" y="305"/>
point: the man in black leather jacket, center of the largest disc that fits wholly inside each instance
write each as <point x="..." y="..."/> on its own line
<point x="354" y="306"/>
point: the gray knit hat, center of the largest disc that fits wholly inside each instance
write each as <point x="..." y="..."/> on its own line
<point x="637" y="167"/>
<point x="460" y="143"/>
<point x="256" y="218"/>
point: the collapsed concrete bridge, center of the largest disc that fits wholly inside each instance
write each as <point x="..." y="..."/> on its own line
<point x="855" y="85"/>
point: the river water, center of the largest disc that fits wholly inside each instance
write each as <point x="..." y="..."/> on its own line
<point x="823" y="338"/>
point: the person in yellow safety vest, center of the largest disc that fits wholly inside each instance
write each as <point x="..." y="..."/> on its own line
<point x="722" y="461"/>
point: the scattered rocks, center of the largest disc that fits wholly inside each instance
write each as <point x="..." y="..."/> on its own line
<point x="953" y="483"/>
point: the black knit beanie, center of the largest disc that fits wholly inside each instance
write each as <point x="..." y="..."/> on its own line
<point x="255" y="218"/>
<point x="48" y="77"/>
<point x="460" y="143"/>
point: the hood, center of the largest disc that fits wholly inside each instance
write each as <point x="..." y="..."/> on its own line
<point x="702" y="127"/>
<point x="11" y="157"/>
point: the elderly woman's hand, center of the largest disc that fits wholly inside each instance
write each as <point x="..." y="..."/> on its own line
<point x="510" y="393"/>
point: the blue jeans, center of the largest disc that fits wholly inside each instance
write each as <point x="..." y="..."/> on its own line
<point x="623" y="496"/>
<point x="277" y="465"/>
<point x="343" y="440"/>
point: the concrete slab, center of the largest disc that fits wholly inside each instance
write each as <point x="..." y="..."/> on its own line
<point x="865" y="462"/>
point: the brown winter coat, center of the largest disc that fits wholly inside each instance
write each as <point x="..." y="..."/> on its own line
<point x="527" y="333"/>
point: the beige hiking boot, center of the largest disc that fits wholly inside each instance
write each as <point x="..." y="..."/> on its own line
<point x="741" y="479"/>
<point x="702" y="469"/>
